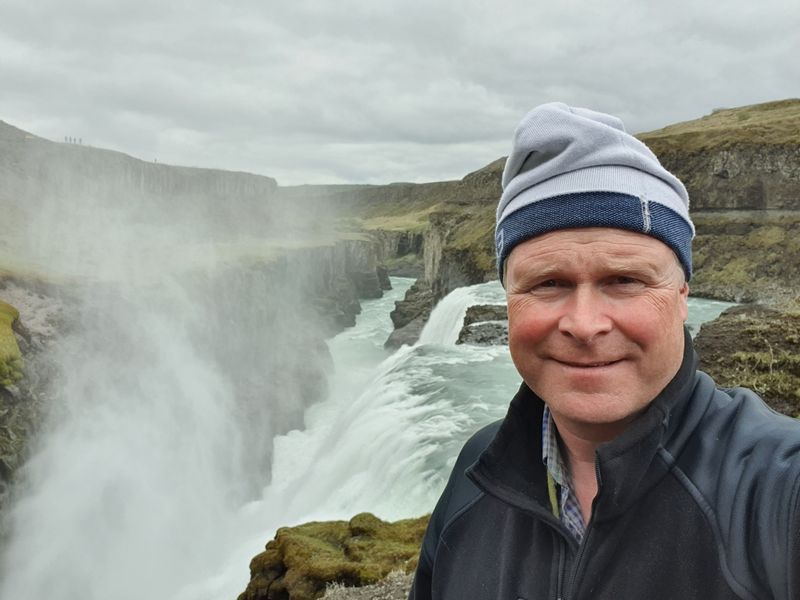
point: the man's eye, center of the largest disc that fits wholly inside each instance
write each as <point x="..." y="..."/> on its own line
<point x="624" y="280"/>
<point x="549" y="284"/>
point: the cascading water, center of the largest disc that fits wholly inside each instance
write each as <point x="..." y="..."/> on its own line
<point x="447" y="317"/>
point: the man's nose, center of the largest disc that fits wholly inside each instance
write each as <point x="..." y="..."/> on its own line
<point x="585" y="315"/>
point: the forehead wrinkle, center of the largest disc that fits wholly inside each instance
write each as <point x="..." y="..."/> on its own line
<point x="554" y="258"/>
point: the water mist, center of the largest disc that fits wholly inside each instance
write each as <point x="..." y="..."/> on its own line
<point x="186" y="349"/>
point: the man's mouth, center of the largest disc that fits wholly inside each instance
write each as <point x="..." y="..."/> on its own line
<point x="587" y="364"/>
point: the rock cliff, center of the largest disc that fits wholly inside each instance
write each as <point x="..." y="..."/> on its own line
<point x="31" y="167"/>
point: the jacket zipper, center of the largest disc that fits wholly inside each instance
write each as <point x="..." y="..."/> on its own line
<point x="578" y="566"/>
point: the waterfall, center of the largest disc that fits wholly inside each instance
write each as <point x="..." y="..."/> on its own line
<point x="447" y="317"/>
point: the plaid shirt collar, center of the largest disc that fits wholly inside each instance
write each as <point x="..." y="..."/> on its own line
<point x="570" y="510"/>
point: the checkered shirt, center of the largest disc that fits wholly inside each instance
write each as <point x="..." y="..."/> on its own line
<point x="569" y="510"/>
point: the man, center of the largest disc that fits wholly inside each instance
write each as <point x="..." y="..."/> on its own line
<point x="620" y="471"/>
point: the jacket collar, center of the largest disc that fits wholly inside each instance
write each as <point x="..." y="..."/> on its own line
<point x="511" y="467"/>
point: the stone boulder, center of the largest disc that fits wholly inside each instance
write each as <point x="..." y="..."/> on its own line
<point x="302" y="561"/>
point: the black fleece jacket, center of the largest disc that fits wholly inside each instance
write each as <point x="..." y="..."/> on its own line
<point x="698" y="499"/>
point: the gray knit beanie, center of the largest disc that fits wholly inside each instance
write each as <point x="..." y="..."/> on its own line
<point x="574" y="167"/>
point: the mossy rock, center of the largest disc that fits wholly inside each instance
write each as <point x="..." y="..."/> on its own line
<point x="10" y="355"/>
<point x="746" y="257"/>
<point x="301" y="561"/>
<point x="755" y="347"/>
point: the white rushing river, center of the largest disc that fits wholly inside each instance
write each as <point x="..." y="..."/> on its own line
<point x="383" y="441"/>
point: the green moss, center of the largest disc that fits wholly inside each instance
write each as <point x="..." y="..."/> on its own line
<point x="10" y="356"/>
<point x="765" y="237"/>
<point x="301" y="561"/>
<point x="755" y="347"/>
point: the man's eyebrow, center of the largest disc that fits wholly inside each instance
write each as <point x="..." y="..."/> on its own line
<point x="624" y="265"/>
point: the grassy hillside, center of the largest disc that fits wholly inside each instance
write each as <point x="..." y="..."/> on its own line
<point x="773" y="123"/>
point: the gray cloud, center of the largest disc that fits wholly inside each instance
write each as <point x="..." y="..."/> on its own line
<point x="355" y="91"/>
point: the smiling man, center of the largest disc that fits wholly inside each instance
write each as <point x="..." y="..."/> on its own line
<point x="620" y="471"/>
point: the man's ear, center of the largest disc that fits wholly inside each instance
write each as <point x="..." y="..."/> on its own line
<point x="684" y="292"/>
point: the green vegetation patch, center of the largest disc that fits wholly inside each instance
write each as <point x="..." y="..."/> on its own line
<point x="758" y="348"/>
<point x="10" y="356"/>
<point x="301" y="561"/>
<point x="470" y="236"/>
<point x="771" y="123"/>
<point x="409" y="219"/>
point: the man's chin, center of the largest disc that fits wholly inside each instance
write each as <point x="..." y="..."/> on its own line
<point x="593" y="410"/>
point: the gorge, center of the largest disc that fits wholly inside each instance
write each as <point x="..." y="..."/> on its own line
<point x="171" y="342"/>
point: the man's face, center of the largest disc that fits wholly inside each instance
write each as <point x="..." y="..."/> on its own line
<point x="595" y="322"/>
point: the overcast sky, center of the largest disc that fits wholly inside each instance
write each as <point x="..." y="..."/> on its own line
<point x="374" y="91"/>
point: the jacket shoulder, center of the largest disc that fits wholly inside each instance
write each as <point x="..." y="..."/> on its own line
<point x="741" y="462"/>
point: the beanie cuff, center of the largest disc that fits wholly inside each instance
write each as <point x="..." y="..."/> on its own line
<point x="595" y="209"/>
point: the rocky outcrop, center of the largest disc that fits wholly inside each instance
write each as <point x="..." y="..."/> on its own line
<point x="756" y="347"/>
<point x="485" y="325"/>
<point x="410" y="314"/>
<point x="23" y="396"/>
<point x="302" y="561"/>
